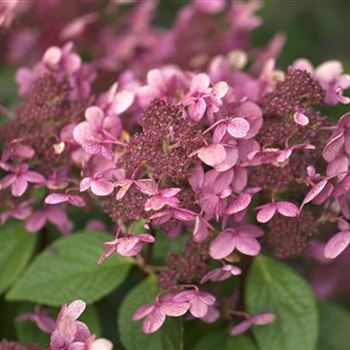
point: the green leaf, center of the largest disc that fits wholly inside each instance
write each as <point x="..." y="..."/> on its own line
<point x="334" y="327"/>
<point x="221" y="340"/>
<point x="17" y="247"/>
<point x="274" y="286"/>
<point x="68" y="270"/>
<point x="170" y="335"/>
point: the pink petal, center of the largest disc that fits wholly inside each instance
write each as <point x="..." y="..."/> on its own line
<point x="19" y="186"/>
<point x="36" y="222"/>
<point x="75" y="309"/>
<point x="238" y="204"/>
<point x="32" y="176"/>
<point x="170" y="192"/>
<point x="220" y="89"/>
<point x="338" y="166"/>
<point x="127" y="244"/>
<point x="219" y="132"/>
<point x="342" y="187"/>
<point x="241" y="327"/>
<point x="200" y="231"/>
<point x="101" y="344"/>
<point x="102" y="187"/>
<point x="175" y="309"/>
<point x="266" y="213"/>
<point x="238" y="127"/>
<point x="153" y="321"/>
<point x="287" y="209"/>
<point x="85" y="184"/>
<point x="333" y="147"/>
<point x="337" y="244"/>
<point x="247" y="245"/>
<point x="197" y="109"/>
<point x="56" y="198"/>
<point x="142" y="312"/>
<point x="301" y="119"/>
<point x="52" y="56"/>
<point x="197" y="177"/>
<point x="155" y="203"/>
<point x="147" y="186"/>
<point x="183" y="214"/>
<point x="76" y="200"/>
<point x="7" y="181"/>
<point x="198" y="307"/>
<point x="92" y="147"/>
<point x="264" y="318"/>
<point x="145" y="237"/>
<point x="316" y="190"/>
<point x="212" y="155"/>
<point x="230" y="160"/>
<point x="222" y="246"/>
<point x="200" y="83"/>
<point x="122" y="101"/>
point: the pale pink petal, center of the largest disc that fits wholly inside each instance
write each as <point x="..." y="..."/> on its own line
<point x="316" y="190"/>
<point x="85" y="184"/>
<point x="76" y="200"/>
<point x="145" y="237"/>
<point x="102" y="187"/>
<point x="200" y="231"/>
<point x="170" y="192"/>
<point x="338" y="166"/>
<point x="7" y="181"/>
<point x="200" y="83"/>
<point x="222" y="246"/>
<point x="36" y="222"/>
<point x="342" y="187"/>
<point x="197" y="109"/>
<point x="212" y="155"/>
<point x="287" y="209"/>
<point x="19" y="186"/>
<point x="241" y="327"/>
<point x="238" y="127"/>
<point x="247" y="245"/>
<point x="52" y="56"/>
<point x="153" y="321"/>
<point x="147" y="186"/>
<point x="230" y="160"/>
<point x="333" y="147"/>
<point x="75" y="309"/>
<point x="198" y="307"/>
<point x="239" y="203"/>
<point x="101" y="344"/>
<point x="197" y="177"/>
<point x="220" y="89"/>
<point x="32" y="176"/>
<point x="56" y="198"/>
<point x="219" y="132"/>
<point x="301" y="119"/>
<point x="142" y="312"/>
<point x="337" y="244"/>
<point x="264" y="318"/>
<point x="122" y="101"/>
<point x="127" y="244"/>
<point x="174" y="309"/>
<point x="266" y="213"/>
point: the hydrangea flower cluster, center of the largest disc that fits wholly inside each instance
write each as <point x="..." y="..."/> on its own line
<point x="211" y="142"/>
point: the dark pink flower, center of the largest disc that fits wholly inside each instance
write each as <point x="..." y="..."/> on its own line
<point x="199" y="301"/>
<point x="155" y="314"/>
<point x="243" y="238"/>
<point x="129" y="245"/>
<point x="73" y="334"/>
<point x="20" y="178"/>
<point x="58" y="198"/>
<point x="267" y="211"/>
<point x="159" y="197"/>
<point x="221" y="273"/>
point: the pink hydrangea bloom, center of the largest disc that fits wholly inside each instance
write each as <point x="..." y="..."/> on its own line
<point x="128" y="245"/>
<point x="243" y="238"/>
<point x="222" y="273"/>
<point x="155" y="314"/>
<point x="73" y="334"/>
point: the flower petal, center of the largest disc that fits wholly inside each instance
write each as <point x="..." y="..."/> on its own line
<point x="212" y="155"/>
<point x="222" y="246"/>
<point x="337" y="244"/>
